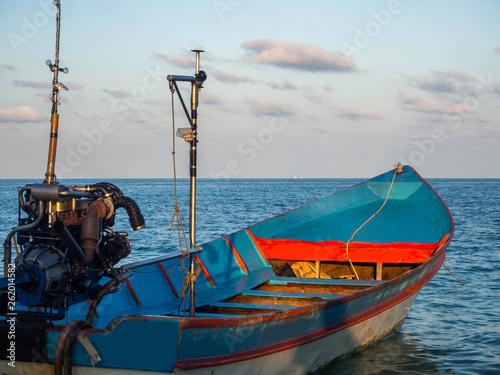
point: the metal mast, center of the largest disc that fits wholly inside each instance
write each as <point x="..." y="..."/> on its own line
<point x="190" y="135"/>
<point x="56" y="86"/>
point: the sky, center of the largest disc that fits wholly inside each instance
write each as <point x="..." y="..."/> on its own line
<point x="312" y="89"/>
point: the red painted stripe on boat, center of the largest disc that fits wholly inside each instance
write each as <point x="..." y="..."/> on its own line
<point x="168" y="279"/>
<point x="292" y="343"/>
<point x="205" y="271"/>
<point x="39" y="309"/>
<point x="396" y="252"/>
<point x="257" y="245"/>
<point x="239" y="259"/>
<point x="132" y="292"/>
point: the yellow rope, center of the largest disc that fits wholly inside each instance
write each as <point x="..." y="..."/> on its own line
<point x="451" y="273"/>
<point x="366" y="222"/>
<point x="177" y="214"/>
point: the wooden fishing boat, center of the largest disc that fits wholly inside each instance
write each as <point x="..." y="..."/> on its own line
<point x="287" y="295"/>
<point x="250" y="319"/>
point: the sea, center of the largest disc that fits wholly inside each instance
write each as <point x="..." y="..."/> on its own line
<point x="451" y="329"/>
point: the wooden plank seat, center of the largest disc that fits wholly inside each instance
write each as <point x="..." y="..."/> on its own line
<point x="214" y="315"/>
<point x="313" y="286"/>
<point x="250" y="306"/>
<point x="281" y="280"/>
<point x="281" y="294"/>
<point x="234" y="308"/>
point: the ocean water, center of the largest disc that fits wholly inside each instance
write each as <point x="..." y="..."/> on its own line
<point x="452" y="329"/>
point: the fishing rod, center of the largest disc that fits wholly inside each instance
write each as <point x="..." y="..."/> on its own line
<point x="64" y="239"/>
<point x="56" y="87"/>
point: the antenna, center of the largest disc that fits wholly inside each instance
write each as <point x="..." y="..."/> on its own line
<point x="190" y="135"/>
<point x="56" y="86"/>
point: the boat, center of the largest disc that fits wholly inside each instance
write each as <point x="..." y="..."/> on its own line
<point x="287" y="295"/>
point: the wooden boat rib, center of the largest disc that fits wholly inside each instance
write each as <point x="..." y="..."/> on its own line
<point x="249" y="318"/>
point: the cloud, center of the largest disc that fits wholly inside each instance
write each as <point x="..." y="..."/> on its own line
<point x="328" y="87"/>
<point x="231" y="77"/>
<point x="75" y="86"/>
<point x="45" y="85"/>
<point x="267" y="107"/>
<point x="297" y="56"/>
<point x="22" y="113"/>
<point x="316" y="98"/>
<point x="32" y="84"/>
<point x="456" y="75"/>
<point x="413" y="102"/>
<point x="357" y="113"/>
<point x="447" y="82"/>
<point x="439" y="118"/>
<point x="7" y="67"/>
<point x="180" y="60"/>
<point x="283" y="85"/>
<point x="117" y="94"/>
<point x="496" y="86"/>
<point x="209" y="98"/>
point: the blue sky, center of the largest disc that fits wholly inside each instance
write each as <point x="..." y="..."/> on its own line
<point x="295" y="88"/>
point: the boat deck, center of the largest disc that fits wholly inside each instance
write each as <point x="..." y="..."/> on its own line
<point x="282" y="293"/>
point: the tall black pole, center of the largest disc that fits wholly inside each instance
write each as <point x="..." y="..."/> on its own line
<point x="196" y="84"/>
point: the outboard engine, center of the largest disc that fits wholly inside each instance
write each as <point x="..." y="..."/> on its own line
<point x="67" y="242"/>
<point x="65" y="234"/>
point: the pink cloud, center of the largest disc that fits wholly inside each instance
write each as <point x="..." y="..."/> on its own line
<point x="357" y="113"/>
<point x="209" y="98"/>
<point x="456" y="75"/>
<point x="297" y="56"/>
<point x="180" y="60"/>
<point x="451" y="81"/>
<point x="32" y="84"/>
<point x="231" y="77"/>
<point x="328" y="87"/>
<point x="267" y="107"/>
<point x="413" y="102"/>
<point x="118" y="94"/>
<point x="284" y="85"/>
<point x="22" y="113"/>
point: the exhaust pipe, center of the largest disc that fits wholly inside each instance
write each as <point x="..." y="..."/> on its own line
<point x="71" y="244"/>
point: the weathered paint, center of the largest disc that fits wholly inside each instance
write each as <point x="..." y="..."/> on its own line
<point x="150" y="336"/>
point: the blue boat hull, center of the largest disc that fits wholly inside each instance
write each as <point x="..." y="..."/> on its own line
<point x="252" y="319"/>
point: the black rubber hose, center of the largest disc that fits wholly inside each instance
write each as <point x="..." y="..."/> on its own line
<point x="111" y="187"/>
<point x="134" y="212"/>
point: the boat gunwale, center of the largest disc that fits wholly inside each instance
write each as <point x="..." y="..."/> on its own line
<point x="162" y="258"/>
